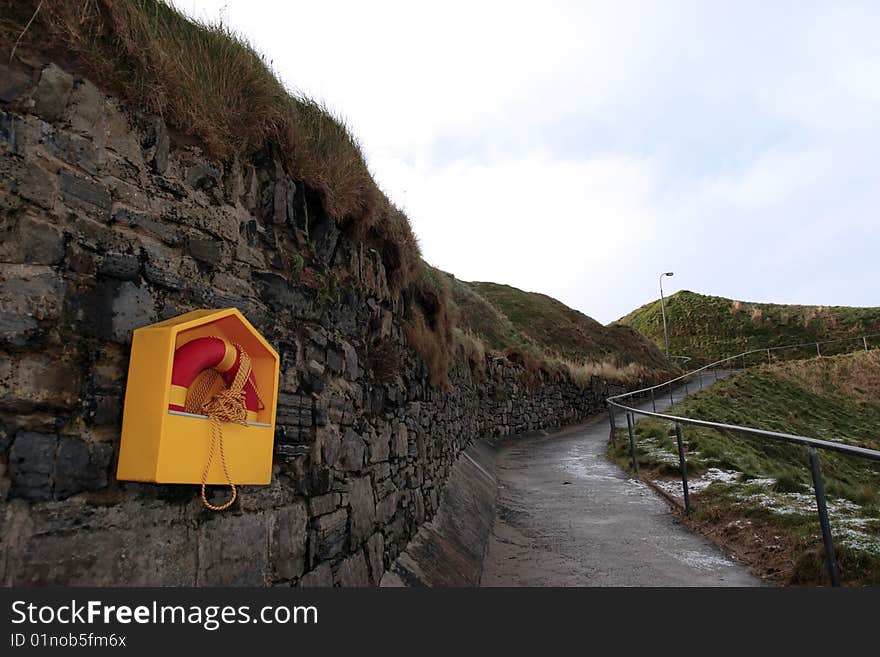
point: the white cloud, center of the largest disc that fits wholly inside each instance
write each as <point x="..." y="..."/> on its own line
<point x="579" y="149"/>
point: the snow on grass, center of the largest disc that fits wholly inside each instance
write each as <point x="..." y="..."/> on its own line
<point x="702" y="482"/>
<point x="848" y="526"/>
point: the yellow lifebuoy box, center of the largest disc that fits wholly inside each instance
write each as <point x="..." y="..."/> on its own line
<point x="163" y="440"/>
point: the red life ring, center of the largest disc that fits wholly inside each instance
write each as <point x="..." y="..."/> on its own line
<point x="201" y="354"/>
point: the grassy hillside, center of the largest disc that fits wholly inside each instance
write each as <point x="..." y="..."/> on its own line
<point x="755" y="496"/>
<point x="506" y="318"/>
<point x="707" y="328"/>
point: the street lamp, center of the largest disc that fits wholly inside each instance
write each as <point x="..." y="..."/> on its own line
<point x="663" y="310"/>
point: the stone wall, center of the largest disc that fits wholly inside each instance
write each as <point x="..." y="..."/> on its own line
<point x="109" y="221"/>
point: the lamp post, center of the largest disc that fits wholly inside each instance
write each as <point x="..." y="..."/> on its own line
<point x="663" y="311"/>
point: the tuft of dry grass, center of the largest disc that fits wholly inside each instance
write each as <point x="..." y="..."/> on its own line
<point x="429" y="320"/>
<point x="473" y="350"/>
<point x="210" y="83"/>
<point x="853" y="376"/>
<point x="629" y="374"/>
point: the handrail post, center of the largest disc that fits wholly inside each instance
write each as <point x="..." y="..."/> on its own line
<point x="684" y="473"/>
<point x="830" y="556"/>
<point x="671" y="400"/>
<point x="653" y="404"/>
<point x="632" y="443"/>
<point x="818" y="351"/>
<point x="613" y="428"/>
<point x="865" y="341"/>
<point x="768" y="357"/>
<point x="686" y="391"/>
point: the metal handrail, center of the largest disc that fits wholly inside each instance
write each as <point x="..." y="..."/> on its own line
<point x="811" y="443"/>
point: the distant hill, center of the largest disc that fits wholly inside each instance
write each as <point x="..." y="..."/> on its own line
<point x="707" y="327"/>
<point x="506" y="318"/>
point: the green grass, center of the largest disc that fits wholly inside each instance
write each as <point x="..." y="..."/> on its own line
<point x="708" y="328"/>
<point x="829" y="398"/>
<point x="506" y="317"/>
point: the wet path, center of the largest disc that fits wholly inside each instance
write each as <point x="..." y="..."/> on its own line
<point x="567" y="516"/>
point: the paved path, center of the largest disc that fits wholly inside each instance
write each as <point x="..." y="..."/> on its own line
<point x="567" y="516"/>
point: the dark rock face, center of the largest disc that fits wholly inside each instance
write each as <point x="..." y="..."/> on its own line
<point x="105" y="228"/>
<point x="45" y="467"/>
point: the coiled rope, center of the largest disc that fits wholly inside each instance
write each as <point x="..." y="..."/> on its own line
<point x="228" y="405"/>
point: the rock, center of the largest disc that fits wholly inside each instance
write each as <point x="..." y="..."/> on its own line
<point x="29" y="294"/>
<point x="352" y="572"/>
<point x="13" y="83"/>
<point x="205" y="250"/>
<point x="106" y="410"/>
<point x="375" y="557"/>
<point x="331" y="444"/>
<point x="353" y="452"/>
<point x="39" y="381"/>
<point x="378" y="446"/>
<point x="162" y="229"/>
<point x="331" y="533"/>
<point x="86" y="112"/>
<point x="123" y="266"/>
<point x="317" y="335"/>
<point x="52" y="93"/>
<point x="315" y="368"/>
<point x="88" y="195"/>
<point x="233" y="550"/>
<point x="157" y="144"/>
<point x="320" y="576"/>
<point x="37" y="185"/>
<point x="32" y="241"/>
<point x="335" y="361"/>
<point x="320" y="505"/>
<point x="275" y="292"/>
<point x="8" y="136"/>
<point x="387" y="507"/>
<point x="294" y="410"/>
<point x="77" y="151"/>
<point x="400" y="442"/>
<point x="132" y="308"/>
<point x="166" y="266"/>
<point x="203" y="176"/>
<point x="352" y="369"/>
<point x="363" y="509"/>
<point x="289" y="542"/>
<point x="31" y="464"/>
<point x="80" y="466"/>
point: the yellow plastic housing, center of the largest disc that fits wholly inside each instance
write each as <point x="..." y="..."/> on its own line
<point x="160" y="446"/>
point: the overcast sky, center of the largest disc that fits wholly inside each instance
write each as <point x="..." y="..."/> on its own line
<point x="581" y="148"/>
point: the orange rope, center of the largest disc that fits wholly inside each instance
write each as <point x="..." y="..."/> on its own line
<point x="228" y="405"/>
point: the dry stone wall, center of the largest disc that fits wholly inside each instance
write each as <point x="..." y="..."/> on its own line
<point x="110" y="222"/>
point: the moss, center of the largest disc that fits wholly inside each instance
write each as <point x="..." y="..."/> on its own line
<point x="297" y="262"/>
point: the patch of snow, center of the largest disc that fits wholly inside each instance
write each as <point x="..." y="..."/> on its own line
<point x="699" y="483"/>
<point x="703" y="561"/>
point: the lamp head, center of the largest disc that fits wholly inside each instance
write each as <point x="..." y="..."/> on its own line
<point x="668" y="273"/>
